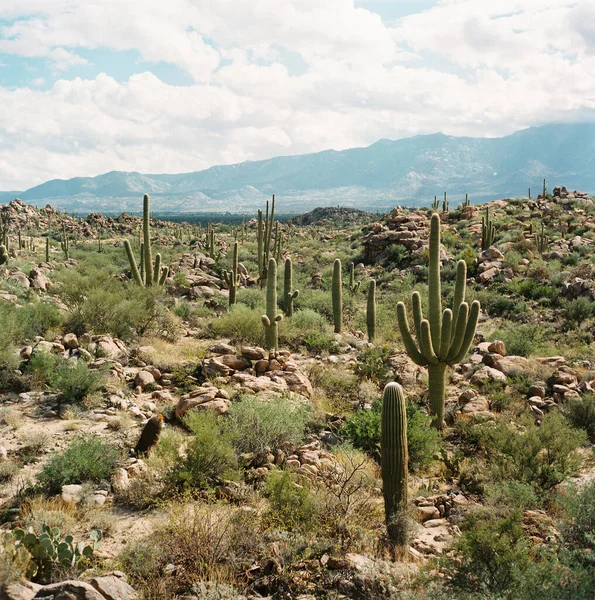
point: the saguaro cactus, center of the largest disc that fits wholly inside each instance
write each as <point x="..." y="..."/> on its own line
<point x="542" y="241"/>
<point x="444" y="204"/>
<point x="371" y="310"/>
<point x="353" y="285"/>
<point x="271" y="319"/>
<point x="3" y="255"/>
<point x="232" y="277"/>
<point x="467" y="202"/>
<point x="149" y="273"/>
<point x="47" y="249"/>
<point x="65" y="242"/>
<point x="337" y="294"/>
<point x="289" y="294"/>
<point x="488" y="230"/>
<point x="444" y="338"/>
<point x="394" y="461"/>
<point x="435" y="204"/>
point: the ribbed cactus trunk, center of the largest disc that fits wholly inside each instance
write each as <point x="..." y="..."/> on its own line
<point x="271" y="319"/>
<point x="133" y="268"/>
<point x="147" y="242"/>
<point x="47" y="249"/>
<point x="289" y="294"/>
<point x="371" y="311"/>
<point x="445" y="337"/>
<point x="394" y="462"/>
<point x="259" y="238"/>
<point x="232" y="276"/>
<point x="337" y="296"/>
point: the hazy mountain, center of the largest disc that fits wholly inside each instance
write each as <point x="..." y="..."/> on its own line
<point x="408" y="171"/>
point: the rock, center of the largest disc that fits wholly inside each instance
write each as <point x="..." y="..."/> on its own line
<point x="491" y="254"/>
<point x="512" y="365"/>
<point x="113" y="588"/>
<point x="253" y="352"/>
<point x="487" y="375"/>
<point x="24" y="590"/>
<point x="107" y="347"/>
<point x="237" y="363"/>
<point x="68" y="590"/>
<point x="489" y="274"/>
<point x="144" y="379"/>
<point x="70" y="341"/>
<point x="20" y="278"/>
<point x="213" y="367"/>
<point x="120" y="480"/>
<point x="498" y="347"/>
<point x="203" y="399"/>
<point x="39" y="281"/>
<point x="427" y="513"/>
<point x="467" y="396"/>
<point x="537" y="390"/>
<point x="478" y="404"/>
<point x="297" y="382"/>
<point x="72" y="494"/>
<point x="222" y="348"/>
<point x="3" y="454"/>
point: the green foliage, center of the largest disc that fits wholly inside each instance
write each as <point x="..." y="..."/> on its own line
<point x="522" y="340"/>
<point x="577" y="311"/>
<point x="541" y="456"/>
<point x="49" y="552"/>
<point x="209" y="454"/>
<point x="291" y="506"/>
<point x="307" y="328"/>
<point x="241" y="324"/>
<point x="73" y="378"/>
<point x="255" y="425"/>
<point x="492" y="551"/>
<point x="88" y="458"/>
<point x="581" y="413"/>
<point x="512" y="494"/>
<point x="362" y="429"/>
<point x="373" y="363"/>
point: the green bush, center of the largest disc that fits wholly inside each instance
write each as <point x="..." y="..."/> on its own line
<point x="255" y="424"/>
<point x="87" y="459"/>
<point x="291" y="506"/>
<point x="577" y="311"/>
<point x="541" y="456"/>
<point x="241" y="325"/>
<point x="309" y="329"/>
<point x="373" y="364"/>
<point x="581" y="413"/>
<point x="493" y="553"/>
<point x="209" y="454"/>
<point x="362" y="429"/>
<point x="522" y="340"/>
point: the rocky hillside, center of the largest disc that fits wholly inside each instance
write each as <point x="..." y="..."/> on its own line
<point x="181" y="418"/>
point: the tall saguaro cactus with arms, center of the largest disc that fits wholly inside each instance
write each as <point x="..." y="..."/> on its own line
<point x="272" y="318"/>
<point x="445" y="337"/>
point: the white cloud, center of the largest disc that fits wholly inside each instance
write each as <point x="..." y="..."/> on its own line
<point x="464" y="67"/>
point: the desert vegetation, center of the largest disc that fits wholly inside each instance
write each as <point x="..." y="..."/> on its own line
<point x="340" y="405"/>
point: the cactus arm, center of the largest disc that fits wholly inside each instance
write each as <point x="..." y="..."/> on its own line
<point x="459" y="334"/>
<point x="414" y="354"/>
<point x="163" y="277"/>
<point x="418" y="315"/>
<point x="425" y="343"/>
<point x="459" y="294"/>
<point x="157" y="268"/>
<point x="469" y="333"/>
<point x="435" y="299"/>
<point x="265" y="321"/>
<point x="147" y="242"/>
<point x="446" y="329"/>
<point x="133" y="266"/>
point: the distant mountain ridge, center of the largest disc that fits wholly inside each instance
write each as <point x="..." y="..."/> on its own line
<point x="408" y="171"/>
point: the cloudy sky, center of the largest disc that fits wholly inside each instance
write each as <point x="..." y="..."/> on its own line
<point x="89" y="86"/>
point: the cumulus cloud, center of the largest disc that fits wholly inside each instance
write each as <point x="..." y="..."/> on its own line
<point x="464" y="67"/>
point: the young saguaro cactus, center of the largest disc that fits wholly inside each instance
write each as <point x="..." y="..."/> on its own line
<point x="394" y="461"/>
<point x="353" y="284"/>
<point x="232" y="277"/>
<point x="445" y="337"/>
<point x="371" y="310"/>
<point x="337" y="295"/>
<point x="435" y="204"/>
<point x="271" y="319"/>
<point x="444" y="204"/>
<point x="65" y="242"/>
<point x="488" y="230"/>
<point x="149" y="273"/>
<point x="542" y="241"/>
<point x="289" y="294"/>
<point x="47" y="249"/>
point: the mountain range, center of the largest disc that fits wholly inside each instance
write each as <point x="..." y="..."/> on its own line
<point x="407" y="171"/>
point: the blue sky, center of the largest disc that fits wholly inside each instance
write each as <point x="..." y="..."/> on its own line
<point x="88" y="86"/>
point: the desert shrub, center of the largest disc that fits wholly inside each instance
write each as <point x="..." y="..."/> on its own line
<point x="209" y="453"/>
<point x="309" y="329"/>
<point x="522" y="340"/>
<point x="373" y="364"/>
<point x="8" y="470"/>
<point x="291" y="505"/>
<point x="207" y="543"/>
<point x="255" y="425"/>
<point x="37" y="318"/>
<point x="241" y="324"/>
<point x="581" y="413"/>
<point x="512" y="494"/>
<point x="88" y="458"/>
<point x="493" y="552"/>
<point x="99" y="303"/>
<point x="253" y="298"/>
<point x="362" y="429"/>
<point x="73" y="378"/>
<point x="318" y="301"/>
<point x="577" y="311"/>
<point x="541" y="456"/>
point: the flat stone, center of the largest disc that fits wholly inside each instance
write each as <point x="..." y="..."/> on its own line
<point x="69" y="590"/>
<point x="114" y="588"/>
